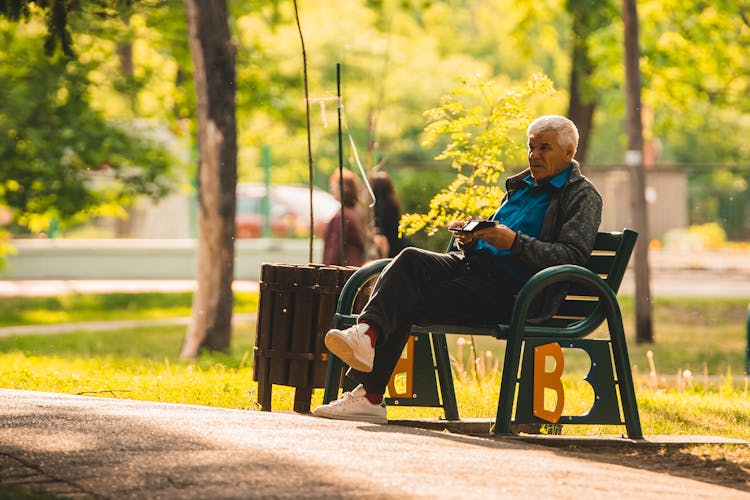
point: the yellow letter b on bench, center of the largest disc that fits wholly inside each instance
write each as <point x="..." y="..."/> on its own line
<point x="548" y="380"/>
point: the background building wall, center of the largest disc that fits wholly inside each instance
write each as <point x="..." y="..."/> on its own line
<point x="666" y="196"/>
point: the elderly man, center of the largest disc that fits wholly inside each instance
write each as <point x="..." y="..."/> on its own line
<point x="550" y="215"/>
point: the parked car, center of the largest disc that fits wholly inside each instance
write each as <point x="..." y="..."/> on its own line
<point x="289" y="209"/>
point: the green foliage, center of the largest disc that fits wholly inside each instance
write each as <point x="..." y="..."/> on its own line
<point x="62" y="161"/>
<point x="380" y="51"/>
<point x="695" y="78"/>
<point x="141" y="62"/>
<point x="398" y="59"/>
<point x="682" y="70"/>
<point x="721" y="196"/>
<point x="415" y="186"/>
<point x="57" y="16"/>
<point x="483" y="123"/>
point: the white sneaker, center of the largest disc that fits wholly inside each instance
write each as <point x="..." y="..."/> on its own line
<point x="352" y="346"/>
<point x="353" y="406"/>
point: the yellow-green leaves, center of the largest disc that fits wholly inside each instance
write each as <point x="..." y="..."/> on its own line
<point x="482" y="124"/>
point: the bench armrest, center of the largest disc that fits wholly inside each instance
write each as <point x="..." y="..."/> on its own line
<point x="545" y="278"/>
<point x="607" y="306"/>
<point x="356" y="282"/>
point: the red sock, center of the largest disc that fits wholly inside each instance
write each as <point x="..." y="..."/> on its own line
<point x="374" y="398"/>
<point x="373" y="332"/>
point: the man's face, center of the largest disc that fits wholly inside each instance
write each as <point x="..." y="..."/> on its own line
<point x="547" y="157"/>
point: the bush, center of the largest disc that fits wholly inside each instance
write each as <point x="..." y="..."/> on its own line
<point x="709" y="236"/>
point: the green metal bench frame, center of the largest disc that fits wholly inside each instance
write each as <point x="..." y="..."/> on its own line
<point x="590" y="301"/>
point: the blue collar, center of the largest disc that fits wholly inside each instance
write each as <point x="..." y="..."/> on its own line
<point x="557" y="181"/>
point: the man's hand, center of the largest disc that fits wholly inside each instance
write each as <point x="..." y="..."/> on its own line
<point x="499" y="236"/>
<point x="464" y="239"/>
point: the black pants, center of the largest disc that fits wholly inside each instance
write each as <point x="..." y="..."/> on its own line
<point x="419" y="287"/>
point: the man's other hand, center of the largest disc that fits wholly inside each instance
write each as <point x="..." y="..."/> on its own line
<point x="500" y="236"/>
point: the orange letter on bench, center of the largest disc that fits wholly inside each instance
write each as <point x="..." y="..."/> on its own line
<point x="404" y="365"/>
<point x="548" y="380"/>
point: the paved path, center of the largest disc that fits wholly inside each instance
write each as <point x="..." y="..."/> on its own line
<point x="693" y="283"/>
<point x="86" y="447"/>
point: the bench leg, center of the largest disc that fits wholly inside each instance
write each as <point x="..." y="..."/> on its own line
<point x="333" y="379"/>
<point x="508" y="385"/>
<point x="445" y="376"/>
<point x="624" y="375"/>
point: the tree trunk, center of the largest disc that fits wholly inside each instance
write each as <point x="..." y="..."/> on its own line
<point x="214" y="73"/>
<point x="582" y="103"/>
<point x="634" y="160"/>
<point x="124" y="226"/>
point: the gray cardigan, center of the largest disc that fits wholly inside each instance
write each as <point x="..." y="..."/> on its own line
<point x="567" y="234"/>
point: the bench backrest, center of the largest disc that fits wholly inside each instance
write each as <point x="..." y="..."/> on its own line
<point x="609" y="260"/>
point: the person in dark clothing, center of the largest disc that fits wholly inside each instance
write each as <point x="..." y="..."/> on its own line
<point x="355" y="240"/>
<point x="387" y="214"/>
<point x="550" y="215"/>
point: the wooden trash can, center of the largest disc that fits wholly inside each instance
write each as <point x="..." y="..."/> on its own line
<point x="296" y="308"/>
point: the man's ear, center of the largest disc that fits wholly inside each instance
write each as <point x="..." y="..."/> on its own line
<point x="570" y="152"/>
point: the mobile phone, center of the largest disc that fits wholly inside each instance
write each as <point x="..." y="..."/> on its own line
<point x="474" y="225"/>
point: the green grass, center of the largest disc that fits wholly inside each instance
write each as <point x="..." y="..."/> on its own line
<point x="101" y="307"/>
<point x="138" y="363"/>
<point x="706" y="337"/>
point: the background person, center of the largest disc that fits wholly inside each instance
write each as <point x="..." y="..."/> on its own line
<point x="386" y="215"/>
<point x="550" y="215"/>
<point x="355" y="239"/>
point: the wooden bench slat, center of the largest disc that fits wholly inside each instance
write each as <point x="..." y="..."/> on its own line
<point x="577" y="308"/>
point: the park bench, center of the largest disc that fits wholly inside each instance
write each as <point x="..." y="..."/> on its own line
<point x="590" y="301"/>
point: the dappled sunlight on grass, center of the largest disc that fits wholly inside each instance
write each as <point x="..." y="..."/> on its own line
<point x="142" y="364"/>
<point x="692" y="392"/>
<point x="102" y="307"/>
<point x="134" y="363"/>
<point x="724" y="413"/>
<point x="44" y="317"/>
<point x="215" y="385"/>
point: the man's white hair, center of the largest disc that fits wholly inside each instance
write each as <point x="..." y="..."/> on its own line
<point x="566" y="130"/>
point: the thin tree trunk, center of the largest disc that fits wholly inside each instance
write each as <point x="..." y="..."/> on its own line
<point x="581" y="105"/>
<point x="634" y="159"/>
<point x="124" y="226"/>
<point x="214" y="73"/>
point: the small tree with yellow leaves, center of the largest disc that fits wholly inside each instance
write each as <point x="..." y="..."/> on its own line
<point x="483" y="121"/>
